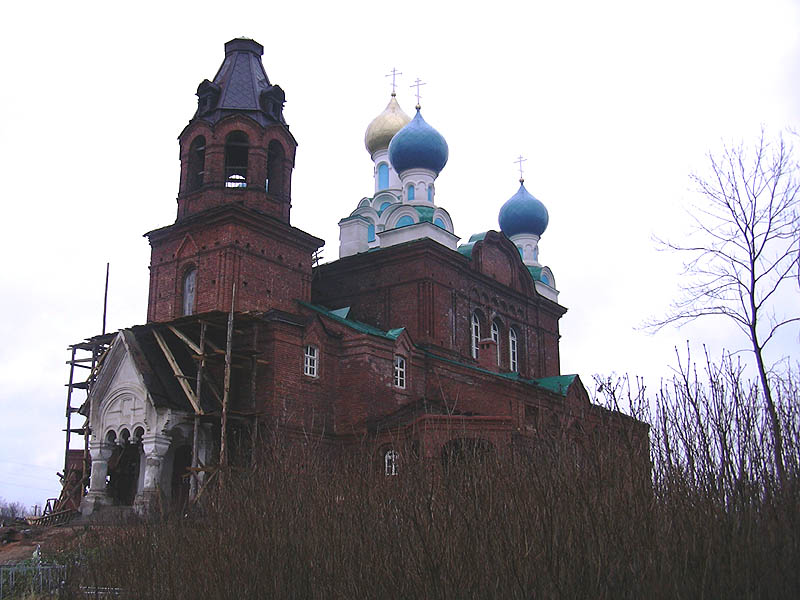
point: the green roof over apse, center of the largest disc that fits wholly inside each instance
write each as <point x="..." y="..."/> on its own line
<point x="335" y="315"/>
<point x="466" y="249"/>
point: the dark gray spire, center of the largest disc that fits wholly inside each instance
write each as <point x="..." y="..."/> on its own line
<point x="241" y="86"/>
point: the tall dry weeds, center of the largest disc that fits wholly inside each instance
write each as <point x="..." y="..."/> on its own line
<point x="563" y="520"/>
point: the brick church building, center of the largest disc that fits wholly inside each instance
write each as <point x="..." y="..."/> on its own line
<point x="408" y="342"/>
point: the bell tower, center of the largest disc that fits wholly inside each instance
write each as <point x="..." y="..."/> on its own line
<point x="234" y="201"/>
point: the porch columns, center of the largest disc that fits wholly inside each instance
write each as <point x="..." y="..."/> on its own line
<point x="155" y="449"/>
<point x="100" y="452"/>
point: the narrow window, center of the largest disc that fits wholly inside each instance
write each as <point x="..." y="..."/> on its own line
<point x="400" y="372"/>
<point x="197" y="163"/>
<point x="496" y="339"/>
<point x="383" y="176"/>
<point x="370" y="232"/>
<point x="236" y="150"/>
<point x="189" y="286"/>
<point x="390" y="460"/>
<point x="512" y="350"/>
<point x="276" y="159"/>
<point x="430" y="193"/>
<point x="311" y="361"/>
<point x="476" y="334"/>
<point x="411" y="193"/>
<point x="405" y="221"/>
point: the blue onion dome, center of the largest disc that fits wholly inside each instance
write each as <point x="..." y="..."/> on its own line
<point x="418" y="146"/>
<point x="383" y="127"/>
<point x="523" y="213"/>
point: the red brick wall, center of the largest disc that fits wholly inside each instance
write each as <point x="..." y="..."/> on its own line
<point x="269" y="262"/>
<point x="214" y="193"/>
<point x="432" y="292"/>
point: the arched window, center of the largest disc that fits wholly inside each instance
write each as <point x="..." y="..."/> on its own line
<point x="236" y="150"/>
<point x="400" y="372"/>
<point x="439" y="223"/>
<point x="311" y="361"/>
<point x="496" y="338"/>
<point x="197" y="163"/>
<point x="383" y="176"/>
<point x="512" y="351"/>
<point x="370" y="232"/>
<point x="430" y="193"/>
<point x="405" y="221"/>
<point x="390" y="460"/>
<point x="384" y="206"/>
<point x="189" y="288"/>
<point x="276" y="159"/>
<point x="545" y="279"/>
<point x="475" y="334"/>
<point x="411" y="193"/>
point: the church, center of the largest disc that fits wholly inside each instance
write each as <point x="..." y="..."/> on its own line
<point x="410" y="342"/>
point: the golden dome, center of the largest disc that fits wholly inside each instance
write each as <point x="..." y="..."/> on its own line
<point x="383" y="127"/>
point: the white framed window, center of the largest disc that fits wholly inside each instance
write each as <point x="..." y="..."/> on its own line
<point x="390" y="460"/>
<point x="475" y="334"/>
<point x="311" y="361"/>
<point x="496" y="339"/>
<point x="512" y="350"/>
<point x="189" y="289"/>
<point x="400" y="372"/>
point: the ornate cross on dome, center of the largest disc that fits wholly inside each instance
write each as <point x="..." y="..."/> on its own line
<point x="393" y="75"/>
<point x="416" y="84"/>
<point x="519" y="161"/>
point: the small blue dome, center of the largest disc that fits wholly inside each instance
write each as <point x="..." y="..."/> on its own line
<point x="523" y="213"/>
<point x="418" y="146"/>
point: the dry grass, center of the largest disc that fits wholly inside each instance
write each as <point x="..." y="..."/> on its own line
<point x="562" y="521"/>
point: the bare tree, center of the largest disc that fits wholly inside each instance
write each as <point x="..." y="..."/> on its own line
<point x="11" y="510"/>
<point x="748" y="250"/>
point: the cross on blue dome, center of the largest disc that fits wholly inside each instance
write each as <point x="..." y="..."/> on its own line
<point x="418" y="146"/>
<point x="523" y="213"/>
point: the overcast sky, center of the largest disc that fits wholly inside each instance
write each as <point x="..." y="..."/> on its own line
<point x="614" y="104"/>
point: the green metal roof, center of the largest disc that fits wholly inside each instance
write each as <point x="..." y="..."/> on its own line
<point x="466" y="249"/>
<point x="558" y="384"/>
<point x="536" y="273"/>
<point x="425" y="213"/>
<point x="392" y="334"/>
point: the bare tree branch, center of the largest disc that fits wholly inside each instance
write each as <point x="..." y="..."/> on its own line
<point x="748" y="248"/>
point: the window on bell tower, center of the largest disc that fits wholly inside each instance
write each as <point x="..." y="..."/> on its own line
<point x="189" y="291"/>
<point x="237" y="147"/>
<point x="276" y="158"/>
<point x="197" y="163"/>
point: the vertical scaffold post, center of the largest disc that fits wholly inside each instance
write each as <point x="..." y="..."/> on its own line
<point x="223" y="456"/>
<point x="195" y="434"/>
<point x="69" y="410"/>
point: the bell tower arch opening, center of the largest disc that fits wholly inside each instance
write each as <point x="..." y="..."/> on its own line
<point x="237" y="148"/>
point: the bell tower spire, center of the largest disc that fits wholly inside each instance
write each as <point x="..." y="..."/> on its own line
<point x="234" y="198"/>
<point x="237" y="146"/>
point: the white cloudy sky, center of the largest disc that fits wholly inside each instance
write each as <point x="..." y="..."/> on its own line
<point x="613" y="104"/>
